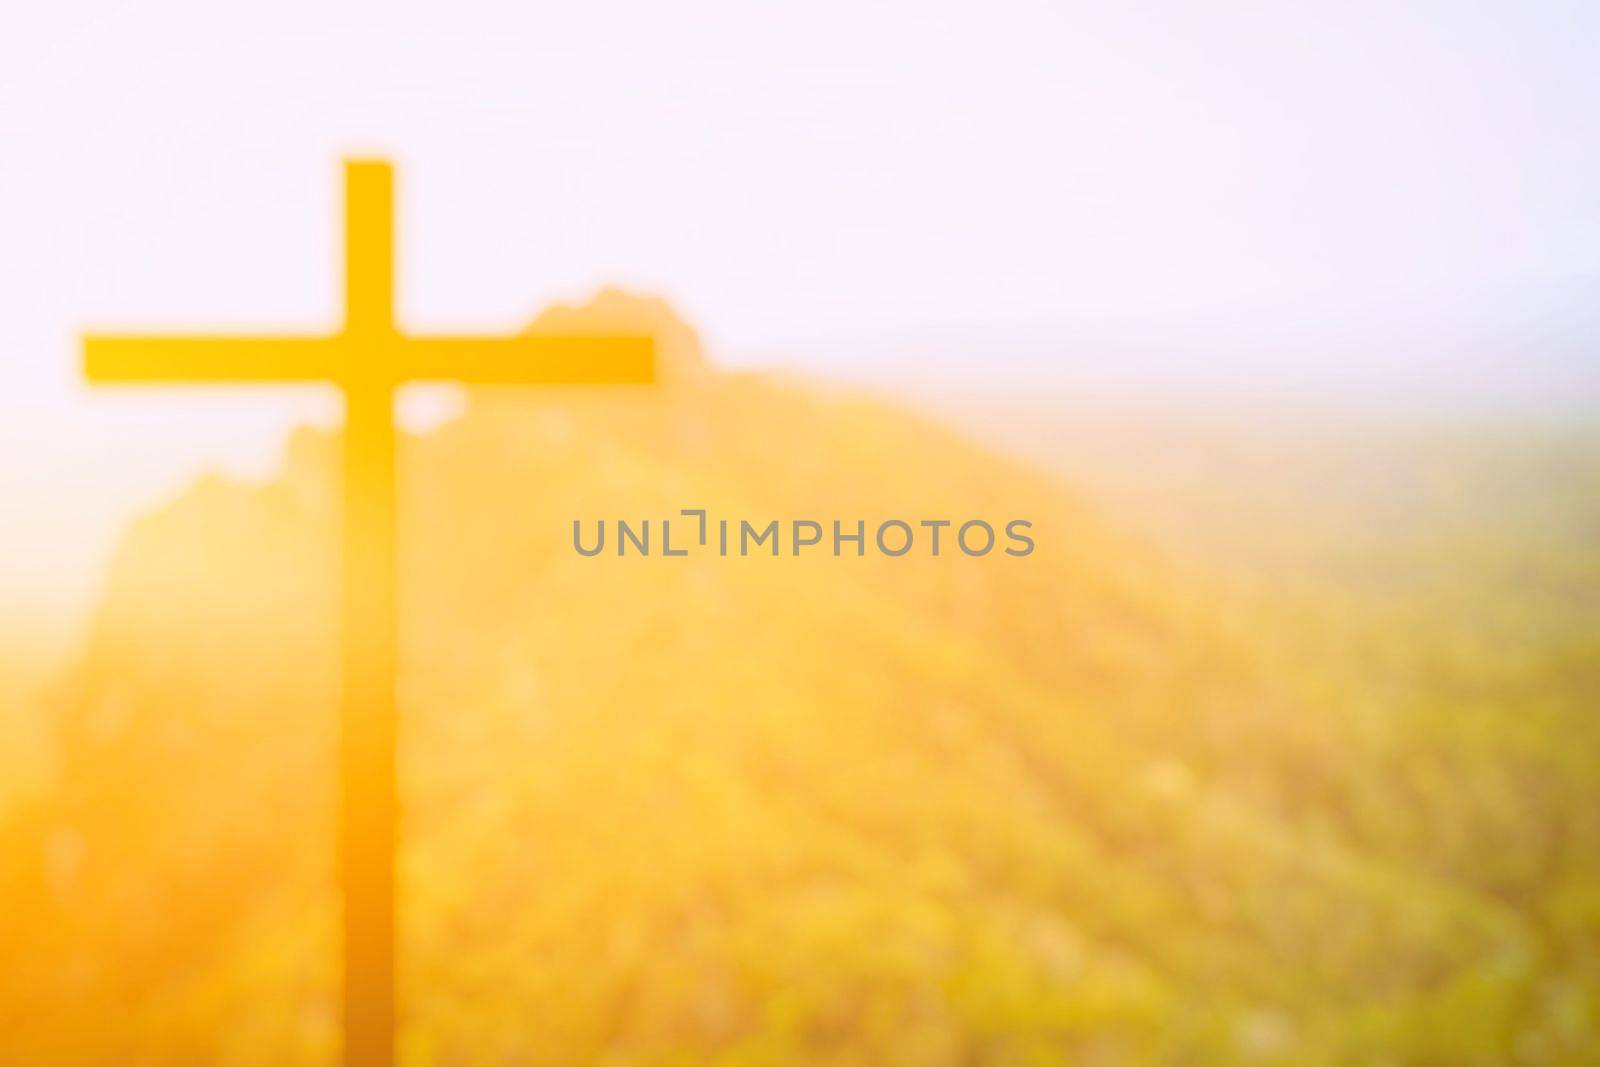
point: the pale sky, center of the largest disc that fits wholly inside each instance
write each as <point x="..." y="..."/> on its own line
<point x="1361" y="201"/>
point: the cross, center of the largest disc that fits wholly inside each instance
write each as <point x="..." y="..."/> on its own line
<point x="368" y="358"/>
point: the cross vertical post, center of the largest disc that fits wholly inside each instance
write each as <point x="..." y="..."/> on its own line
<point x="368" y="358"/>
<point x="367" y="712"/>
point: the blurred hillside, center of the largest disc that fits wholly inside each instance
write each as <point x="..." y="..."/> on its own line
<point x="1290" y="493"/>
<point x="1105" y="803"/>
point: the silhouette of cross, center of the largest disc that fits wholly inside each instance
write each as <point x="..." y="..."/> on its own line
<point x="367" y="359"/>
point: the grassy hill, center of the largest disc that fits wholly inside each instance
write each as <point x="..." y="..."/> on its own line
<point x="1100" y="803"/>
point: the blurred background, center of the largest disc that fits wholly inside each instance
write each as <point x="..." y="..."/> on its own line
<point x="1277" y="322"/>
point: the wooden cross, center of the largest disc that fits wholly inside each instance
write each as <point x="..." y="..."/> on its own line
<point x="367" y="359"/>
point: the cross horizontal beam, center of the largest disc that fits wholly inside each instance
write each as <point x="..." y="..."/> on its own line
<point x="395" y="359"/>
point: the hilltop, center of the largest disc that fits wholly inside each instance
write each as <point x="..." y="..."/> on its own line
<point x="1077" y="805"/>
